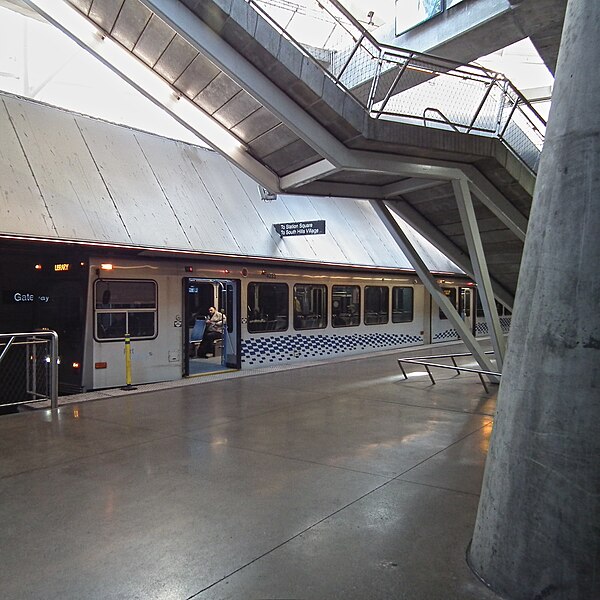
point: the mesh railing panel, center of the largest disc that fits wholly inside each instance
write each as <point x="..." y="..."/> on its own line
<point x="24" y="370"/>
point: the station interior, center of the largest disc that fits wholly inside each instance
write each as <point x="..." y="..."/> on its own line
<point x="298" y="299"/>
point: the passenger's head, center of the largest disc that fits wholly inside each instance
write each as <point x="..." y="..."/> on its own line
<point x="212" y="310"/>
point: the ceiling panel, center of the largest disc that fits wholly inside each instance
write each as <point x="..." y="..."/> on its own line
<point x="199" y="73"/>
<point x="153" y="41"/>
<point x="178" y="55"/>
<point x="131" y="23"/>
<point x="256" y="124"/>
<point x="236" y="109"/>
<point x="105" y="12"/>
<point x="221" y="89"/>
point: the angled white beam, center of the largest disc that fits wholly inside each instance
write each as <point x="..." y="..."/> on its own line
<point x="430" y="284"/>
<point x="496" y="202"/>
<point x="307" y="174"/>
<point x="332" y="189"/>
<point x="380" y="162"/>
<point x="80" y="29"/>
<point x="482" y="275"/>
<point x="444" y="244"/>
<point x="414" y="184"/>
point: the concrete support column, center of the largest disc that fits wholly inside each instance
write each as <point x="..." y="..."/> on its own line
<point x="537" y="534"/>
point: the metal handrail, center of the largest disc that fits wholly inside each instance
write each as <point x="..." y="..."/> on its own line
<point x="424" y="362"/>
<point x="36" y="338"/>
<point x="365" y="63"/>
<point x="444" y="118"/>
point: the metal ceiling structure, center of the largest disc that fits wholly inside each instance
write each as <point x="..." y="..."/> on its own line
<point x="224" y="71"/>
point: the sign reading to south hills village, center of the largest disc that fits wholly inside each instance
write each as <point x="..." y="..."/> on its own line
<point x="301" y="228"/>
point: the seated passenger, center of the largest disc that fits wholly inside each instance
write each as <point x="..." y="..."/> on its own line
<point x="213" y="331"/>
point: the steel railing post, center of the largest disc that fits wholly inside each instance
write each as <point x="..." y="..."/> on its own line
<point x="54" y="369"/>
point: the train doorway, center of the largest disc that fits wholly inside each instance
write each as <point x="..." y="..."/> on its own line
<point x="204" y="353"/>
<point x="465" y="307"/>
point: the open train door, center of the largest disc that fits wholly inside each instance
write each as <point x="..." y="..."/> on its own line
<point x="466" y="310"/>
<point x="230" y="302"/>
<point x="199" y="295"/>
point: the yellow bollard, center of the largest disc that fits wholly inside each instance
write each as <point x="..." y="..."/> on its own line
<point x="128" y="385"/>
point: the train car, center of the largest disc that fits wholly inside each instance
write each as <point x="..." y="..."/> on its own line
<point x="277" y="312"/>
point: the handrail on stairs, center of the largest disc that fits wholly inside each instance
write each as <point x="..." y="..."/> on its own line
<point x="398" y="84"/>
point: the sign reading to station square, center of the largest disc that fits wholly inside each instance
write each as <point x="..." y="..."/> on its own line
<point x="300" y="228"/>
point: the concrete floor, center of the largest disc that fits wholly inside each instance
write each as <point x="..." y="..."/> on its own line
<point x="334" y="481"/>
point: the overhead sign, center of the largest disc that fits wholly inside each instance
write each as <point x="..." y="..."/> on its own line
<point x="301" y="228"/>
<point x="23" y="297"/>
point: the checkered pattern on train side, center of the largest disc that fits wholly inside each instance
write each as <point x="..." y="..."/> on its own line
<point x="446" y="335"/>
<point x="481" y="328"/>
<point x="297" y="347"/>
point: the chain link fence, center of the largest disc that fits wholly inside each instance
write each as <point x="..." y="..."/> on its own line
<point x="28" y="369"/>
<point x="395" y="84"/>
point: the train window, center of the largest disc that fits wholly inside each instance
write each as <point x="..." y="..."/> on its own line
<point x="125" y="306"/>
<point x="377" y="309"/>
<point x="502" y="310"/>
<point x="479" y="310"/>
<point x="402" y="304"/>
<point x="121" y="293"/>
<point x="310" y="306"/>
<point x="345" y="305"/>
<point x="267" y="307"/>
<point x="450" y="293"/>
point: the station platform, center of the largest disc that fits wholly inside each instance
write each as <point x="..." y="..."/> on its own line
<point x="332" y="481"/>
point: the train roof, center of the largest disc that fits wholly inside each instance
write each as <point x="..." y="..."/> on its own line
<point x="68" y="177"/>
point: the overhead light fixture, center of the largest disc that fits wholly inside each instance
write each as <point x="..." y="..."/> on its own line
<point x="83" y="31"/>
<point x="266" y="195"/>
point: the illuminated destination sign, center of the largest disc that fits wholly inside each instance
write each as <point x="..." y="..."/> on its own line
<point x="23" y="297"/>
<point x="300" y="228"/>
<point x="62" y="267"/>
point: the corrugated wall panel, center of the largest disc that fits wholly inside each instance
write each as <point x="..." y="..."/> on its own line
<point x="93" y="181"/>
<point x="22" y="209"/>
<point x="274" y="212"/>
<point x="134" y="189"/>
<point x="370" y="233"/>
<point x="66" y="175"/>
<point x="178" y="168"/>
<point x="328" y="247"/>
<point x="381" y="241"/>
<point x="238" y="213"/>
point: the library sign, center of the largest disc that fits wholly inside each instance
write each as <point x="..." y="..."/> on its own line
<point x="300" y="228"/>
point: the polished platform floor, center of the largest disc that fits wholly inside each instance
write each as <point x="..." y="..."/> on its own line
<point x="340" y="481"/>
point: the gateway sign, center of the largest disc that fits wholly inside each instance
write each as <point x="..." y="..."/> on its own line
<point x="301" y="228"/>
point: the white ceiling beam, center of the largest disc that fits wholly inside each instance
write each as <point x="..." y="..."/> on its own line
<point x="332" y="189"/>
<point x="406" y="186"/>
<point x="307" y="174"/>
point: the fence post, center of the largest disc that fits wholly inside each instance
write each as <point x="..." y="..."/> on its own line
<point x="53" y="369"/>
